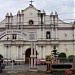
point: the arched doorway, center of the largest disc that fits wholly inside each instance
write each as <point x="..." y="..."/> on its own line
<point x="27" y="55"/>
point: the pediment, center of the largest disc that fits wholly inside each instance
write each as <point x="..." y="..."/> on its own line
<point x="29" y="8"/>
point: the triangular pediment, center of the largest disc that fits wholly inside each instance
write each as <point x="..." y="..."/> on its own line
<point x="30" y="7"/>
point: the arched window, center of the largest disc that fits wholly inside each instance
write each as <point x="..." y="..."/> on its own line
<point x="31" y="22"/>
<point x="14" y="36"/>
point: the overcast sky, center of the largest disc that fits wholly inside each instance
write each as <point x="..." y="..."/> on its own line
<point x="65" y="8"/>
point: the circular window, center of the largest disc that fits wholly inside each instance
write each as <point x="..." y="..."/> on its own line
<point x="31" y="22"/>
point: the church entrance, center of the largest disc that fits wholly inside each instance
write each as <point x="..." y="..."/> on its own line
<point x="27" y="55"/>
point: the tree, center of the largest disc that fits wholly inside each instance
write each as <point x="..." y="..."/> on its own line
<point x="70" y="58"/>
<point x="1" y="56"/>
<point x="62" y="56"/>
<point x="54" y="52"/>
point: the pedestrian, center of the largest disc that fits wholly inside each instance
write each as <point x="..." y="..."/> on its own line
<point x="0" y="67"/>
<point x="0" y="62"/>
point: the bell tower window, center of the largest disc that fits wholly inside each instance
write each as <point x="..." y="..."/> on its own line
<point x="14" y="36"/>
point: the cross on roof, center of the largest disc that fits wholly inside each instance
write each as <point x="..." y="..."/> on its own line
<point x="31" y="2"/>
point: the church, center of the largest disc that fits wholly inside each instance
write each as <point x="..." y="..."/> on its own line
<point x="17" y="32"/>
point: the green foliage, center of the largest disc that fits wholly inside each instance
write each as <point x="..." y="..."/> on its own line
<point x="70" y="58"/>
<point x="1" y="56"/>
<point x="54" y="52"/>
<point x="62" y="55"/>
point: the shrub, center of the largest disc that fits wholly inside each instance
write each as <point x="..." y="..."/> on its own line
<point x="70" y="58"/>
<point x="62" y="57"/>
<point x="1" y="56"/>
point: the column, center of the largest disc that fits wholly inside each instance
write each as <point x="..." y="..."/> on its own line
<point x="4" y="51"/>
<point x="7" y="48"/>
<point x="74" y="41"/>
<point x="74" y="50"/>
<point x="18" y="19"/>
<point x="9" y="53"/>
<point x="41" y="52"/>
<point x="34" y="54"/>
<point x="56" y="34"/>
<point x="11" y="18"/>
<point x="44" y="52"/>
<point x="22" y="18"/>
<point x="43" y="33"/>
<point x="52" y="22"/>
<point x="17" y="53"/>
<point x="31" y="55"/>
<point x="52" y="33"/>
<point x="21" y="52"/>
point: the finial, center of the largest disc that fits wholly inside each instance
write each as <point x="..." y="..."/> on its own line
<point x="7" y="14"/>
<point x="56" y="13"/>
<point x="11" y="14"/>
<point x="52" y="13"/>
<point x="31" y="2"/>
<point x="18" y="12"/>
<point x="74" y="22"/>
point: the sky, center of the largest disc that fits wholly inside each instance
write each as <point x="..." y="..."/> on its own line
<point x="64" y="8"/>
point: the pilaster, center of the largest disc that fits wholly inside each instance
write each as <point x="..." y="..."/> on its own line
<point x="56" y="33"/>
<point x="44" y="51"/>
<point x="74" y="36"/>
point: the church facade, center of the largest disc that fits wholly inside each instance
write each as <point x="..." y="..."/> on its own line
<point x="32" y="25"/>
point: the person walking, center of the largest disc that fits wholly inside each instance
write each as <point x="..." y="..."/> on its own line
<point x="0" y="67"/>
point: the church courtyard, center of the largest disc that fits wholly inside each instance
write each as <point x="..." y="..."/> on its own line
<point x="34" y="73"/>
<point x="24" y="70"/>
<point x="25" y="73"/>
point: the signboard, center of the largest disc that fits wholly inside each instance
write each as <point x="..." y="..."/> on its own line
<point x="8" y="32"/>
<point x="68" y="72"/>
<point x="48" y="58"/>
<point x="48" y="63"/>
